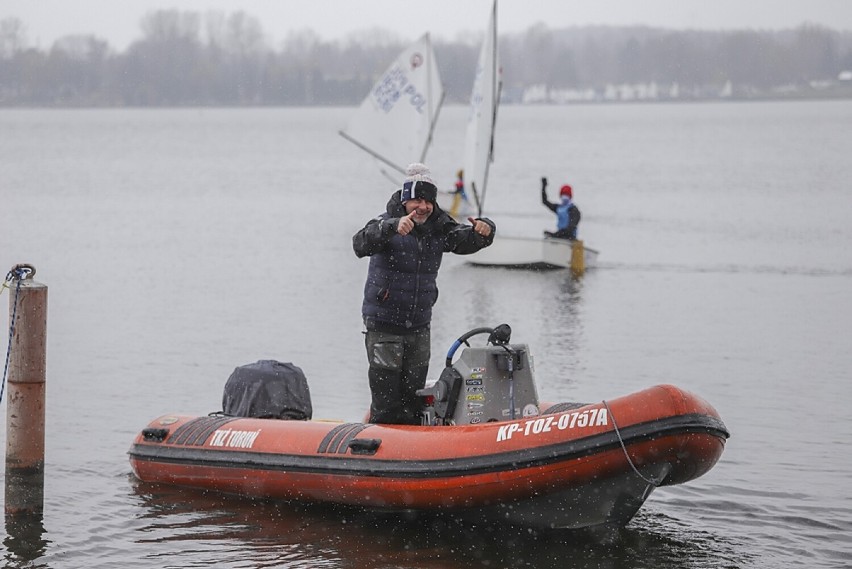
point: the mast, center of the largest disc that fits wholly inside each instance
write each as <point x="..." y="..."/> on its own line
<point x="497" y="87"/>
<point x="484" y="99"/>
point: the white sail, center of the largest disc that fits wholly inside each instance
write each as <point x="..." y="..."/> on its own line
<point x="395" y="121"/>
<point x="482" y="118"/>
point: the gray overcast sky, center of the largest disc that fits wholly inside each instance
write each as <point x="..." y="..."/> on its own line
<point x="118" y="21"/>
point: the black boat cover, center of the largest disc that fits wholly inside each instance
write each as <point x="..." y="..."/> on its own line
<point x="268" y="389"/>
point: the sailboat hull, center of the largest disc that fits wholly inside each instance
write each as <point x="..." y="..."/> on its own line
<point x="532" y="253"/>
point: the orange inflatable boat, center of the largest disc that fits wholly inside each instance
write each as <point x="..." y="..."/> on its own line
<point x="488" y="449"/>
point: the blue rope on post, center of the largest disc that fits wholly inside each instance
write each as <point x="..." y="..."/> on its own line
<point x="18" y="272"/>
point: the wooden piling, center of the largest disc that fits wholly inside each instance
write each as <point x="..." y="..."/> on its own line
<point x="25" y="399"/>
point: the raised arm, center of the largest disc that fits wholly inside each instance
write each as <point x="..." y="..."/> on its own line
<point x="551" y="206"/>
<point x="466" y="239"/>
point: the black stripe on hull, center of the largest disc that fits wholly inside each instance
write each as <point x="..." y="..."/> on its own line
<point x="430" y="469"/>
<point x="562" y="407"/>
<point x="337" y="440"/>
<point x="195" y="432"/>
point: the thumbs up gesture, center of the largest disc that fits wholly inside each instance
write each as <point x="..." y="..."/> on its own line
<point x="480" y="226"/>
<point x="406" y="223"/>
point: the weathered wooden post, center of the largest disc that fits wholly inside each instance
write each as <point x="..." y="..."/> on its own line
<point x="25" y="400"/>
<point x="578" y="258"/>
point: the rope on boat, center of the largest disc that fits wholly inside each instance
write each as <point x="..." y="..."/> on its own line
<point x="18" y="273"/>
<point x="651" y="481"/>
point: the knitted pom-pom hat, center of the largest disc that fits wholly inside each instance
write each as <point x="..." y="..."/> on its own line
<point x="418" y="184"/>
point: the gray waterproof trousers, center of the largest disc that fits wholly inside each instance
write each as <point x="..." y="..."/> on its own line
<point x="398" y="367"/>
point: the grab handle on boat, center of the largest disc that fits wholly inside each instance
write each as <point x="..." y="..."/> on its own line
<point x="155" y="435"/>
<point x="364" y="446"/>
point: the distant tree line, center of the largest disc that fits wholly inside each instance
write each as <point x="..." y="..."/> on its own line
<point x="190" y="59"/>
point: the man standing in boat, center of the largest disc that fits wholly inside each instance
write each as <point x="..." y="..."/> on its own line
<point x="406" y="244"/>
<point x="567" y="212"/>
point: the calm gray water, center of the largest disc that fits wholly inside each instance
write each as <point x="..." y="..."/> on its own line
<point x="179" y="244"/>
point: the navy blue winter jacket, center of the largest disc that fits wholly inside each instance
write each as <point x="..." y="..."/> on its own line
<point x="401" y="285"/>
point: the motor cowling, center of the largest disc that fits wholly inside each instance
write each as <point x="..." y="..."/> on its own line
<point x="268" y="389"/>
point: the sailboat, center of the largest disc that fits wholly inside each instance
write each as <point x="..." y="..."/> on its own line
<point x="395" y="121"/>
<point x="537" y="253"/>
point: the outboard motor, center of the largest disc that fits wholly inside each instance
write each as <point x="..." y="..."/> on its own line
<point x="267" y="389"/>
<point x="491" y="383"/>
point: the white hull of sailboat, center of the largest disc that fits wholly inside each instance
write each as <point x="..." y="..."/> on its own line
<point x="533" y="253"/>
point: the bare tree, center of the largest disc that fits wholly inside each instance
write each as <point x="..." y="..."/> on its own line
<point x="13" y="37"/>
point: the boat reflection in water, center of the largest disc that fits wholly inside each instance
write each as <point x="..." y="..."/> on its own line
<point x="293" y="534"/>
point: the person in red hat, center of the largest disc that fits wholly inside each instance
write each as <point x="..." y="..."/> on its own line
<point x="567" y="212"/>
